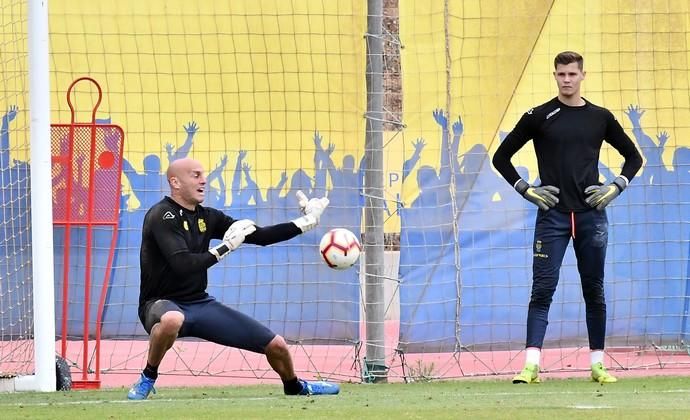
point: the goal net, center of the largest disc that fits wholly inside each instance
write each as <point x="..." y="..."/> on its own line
<point x="16" y="304"/>
<point x="470" y="71"/>
<point x="271" y="96"/>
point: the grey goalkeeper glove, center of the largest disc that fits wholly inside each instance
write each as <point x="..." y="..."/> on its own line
<point x="599" y="196"/>
<point x="545" y="197"/>
<point x="233" y="238"/>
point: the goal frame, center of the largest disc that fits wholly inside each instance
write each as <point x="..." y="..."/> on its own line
<point x="44" y="378"/>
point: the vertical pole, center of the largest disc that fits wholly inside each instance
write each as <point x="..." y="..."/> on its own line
<point x="41" y="197"/>
<point x="374" y="306"/>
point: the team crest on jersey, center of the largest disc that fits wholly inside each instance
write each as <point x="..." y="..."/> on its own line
<point x="185" y="225"/>
<point x="202" y="225"/>
<point x="168" y="215"/>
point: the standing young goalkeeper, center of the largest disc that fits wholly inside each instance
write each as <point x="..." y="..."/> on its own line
<point x="568" y="132"/>
<point x="175" y="255"/>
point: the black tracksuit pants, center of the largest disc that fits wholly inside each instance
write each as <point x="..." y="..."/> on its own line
<point x="552" y="233"/>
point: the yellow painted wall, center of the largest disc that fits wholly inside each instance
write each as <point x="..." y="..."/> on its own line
<point x="636" y="52"/>
<point x="262" y="75"/>
<point x="467" y="64"/>
<point x="499" y="64"/>
<point x="255" y="75"/>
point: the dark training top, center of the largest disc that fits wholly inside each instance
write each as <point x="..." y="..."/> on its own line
<point x="174" y="252"/>
<point x="567" y="141"/>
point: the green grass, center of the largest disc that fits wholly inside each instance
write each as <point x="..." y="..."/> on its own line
<point x="649" y="398"/>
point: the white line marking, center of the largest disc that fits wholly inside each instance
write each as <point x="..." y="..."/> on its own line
<point x="608" y="391"/>
<point x="126" y="401"/>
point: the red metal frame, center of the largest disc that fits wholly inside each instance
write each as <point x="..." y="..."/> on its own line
<point x="69" y="221"/>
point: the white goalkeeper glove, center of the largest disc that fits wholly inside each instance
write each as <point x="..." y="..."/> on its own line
<point x="233" y="238"/>
<point x="312" y="210"/>
<point x="302" y="201"/>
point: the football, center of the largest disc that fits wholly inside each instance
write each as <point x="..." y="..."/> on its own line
<point x="340" y="249"/>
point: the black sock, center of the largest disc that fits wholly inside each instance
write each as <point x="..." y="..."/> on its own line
<point x="292" y="386"/>
<point x="151" y="372"/>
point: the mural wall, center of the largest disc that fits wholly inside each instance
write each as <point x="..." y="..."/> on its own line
<point x="469" y="284"/>
<point x="270" y="97"/>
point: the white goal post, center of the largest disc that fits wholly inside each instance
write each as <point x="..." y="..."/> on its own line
<point x="43" y="311"/>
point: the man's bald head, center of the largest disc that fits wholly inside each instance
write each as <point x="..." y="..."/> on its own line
<point x="180" y="166"/>
<point x="187" y="182"/>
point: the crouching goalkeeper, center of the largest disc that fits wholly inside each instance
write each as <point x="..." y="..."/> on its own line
<point x="174" y="257"/>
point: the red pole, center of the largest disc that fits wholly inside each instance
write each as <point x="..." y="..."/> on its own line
<point x="90" y="218"/>
<point x="66" y="250"/>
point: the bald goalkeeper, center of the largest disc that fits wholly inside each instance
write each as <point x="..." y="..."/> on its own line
<point x="175" y="254"/>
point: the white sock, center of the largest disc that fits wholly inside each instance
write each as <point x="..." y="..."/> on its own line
<point x="596" y="356"/>
<point x="533" y="355"/>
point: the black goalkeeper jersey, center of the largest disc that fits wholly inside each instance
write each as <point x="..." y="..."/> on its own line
<point x="567" y="141"/>
<point x="174" y="252"/>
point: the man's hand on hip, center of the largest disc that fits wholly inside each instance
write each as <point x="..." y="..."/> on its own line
<point x="599" y="196"/>
<point x="544" y="197"/>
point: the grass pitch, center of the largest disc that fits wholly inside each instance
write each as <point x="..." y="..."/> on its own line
<point x="632" y="398"/>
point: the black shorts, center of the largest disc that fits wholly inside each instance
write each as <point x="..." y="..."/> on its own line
<point x="210" y="320"/>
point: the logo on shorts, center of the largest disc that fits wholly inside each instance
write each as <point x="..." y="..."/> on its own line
<point x="168" y="215"/>
<point x="537" y="250"/>
<point x="202" y="225"/>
